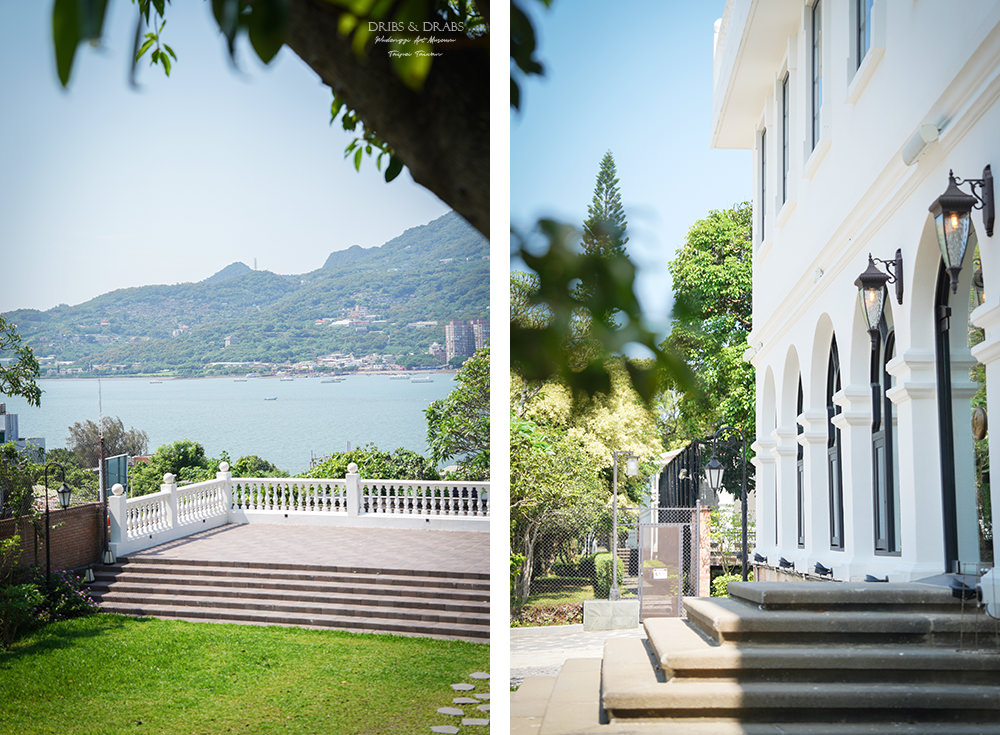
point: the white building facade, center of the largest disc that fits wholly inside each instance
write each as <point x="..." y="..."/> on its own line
<point x="856" y="110"/>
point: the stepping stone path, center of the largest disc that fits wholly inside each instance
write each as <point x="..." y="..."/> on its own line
<point x="477" y="698"/>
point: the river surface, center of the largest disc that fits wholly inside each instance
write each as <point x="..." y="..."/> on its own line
<point x="306" y="416"/>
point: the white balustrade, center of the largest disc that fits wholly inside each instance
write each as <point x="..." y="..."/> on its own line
<point x="173" y="513"/>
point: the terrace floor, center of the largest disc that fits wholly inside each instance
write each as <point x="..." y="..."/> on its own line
<point x="445" y="551"/>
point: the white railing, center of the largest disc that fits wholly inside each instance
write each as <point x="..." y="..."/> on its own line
<point x="173" y="513"/>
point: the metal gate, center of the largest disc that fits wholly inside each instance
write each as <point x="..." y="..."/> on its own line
<point x="668" y="562"/>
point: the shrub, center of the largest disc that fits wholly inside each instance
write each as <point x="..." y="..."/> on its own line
<point x="65" y="597"/>
<point x="720" y="585"/>
<point x="19" y="605"/>
<point x="602" y="579"/>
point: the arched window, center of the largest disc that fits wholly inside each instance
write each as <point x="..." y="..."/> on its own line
<point x="799" y="476"/>
<point x="834" y="466"/>
<point x="885" y="489"/>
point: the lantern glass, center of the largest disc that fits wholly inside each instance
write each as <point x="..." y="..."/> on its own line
<point x="872" y="304"/>
<point x="632" y="466"/>
<point x="64" y="495"/>
<point x="953" y="236"/>
<point x="713" y="473"/>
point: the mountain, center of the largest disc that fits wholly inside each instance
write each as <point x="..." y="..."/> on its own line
<point x="230" y="271"/>
<point x="360" y="301"/>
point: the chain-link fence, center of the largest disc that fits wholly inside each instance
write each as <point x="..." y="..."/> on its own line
<point x="569" y="559"/>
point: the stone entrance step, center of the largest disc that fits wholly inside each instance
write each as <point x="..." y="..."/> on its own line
<point x="368" y="600"/>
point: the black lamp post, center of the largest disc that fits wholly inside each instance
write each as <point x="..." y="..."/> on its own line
<point x="713" y="473"/>
<point x="951" y="213"/>
<point x="631" y="470"/>
<point x="64" y="495"/>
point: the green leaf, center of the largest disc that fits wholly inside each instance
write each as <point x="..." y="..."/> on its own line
<point x="165" y="60"/>
<point x="413" y="68"/>
<point x="65" y="36"/>
<point x="143" y="49"/>
<point x="357" y="159"/>
<point x="170" y="51"/>
<point x="394" y="169"/>
<point x="267" y="27"/>
<point x="160" y="7"/>
<point x="92" y="18"/>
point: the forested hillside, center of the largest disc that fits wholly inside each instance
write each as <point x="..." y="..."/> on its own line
<point x="361" y="301"/>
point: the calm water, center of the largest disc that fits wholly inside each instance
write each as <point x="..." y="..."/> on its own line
<point x="221" y="414"/>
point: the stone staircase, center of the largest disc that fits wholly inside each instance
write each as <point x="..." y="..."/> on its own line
<point x="402" y="602"/>
<point x="811" y="657"/>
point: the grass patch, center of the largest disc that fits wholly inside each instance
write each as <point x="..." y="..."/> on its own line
<point x="125" y="675"/>
<point x="560" y="591"/>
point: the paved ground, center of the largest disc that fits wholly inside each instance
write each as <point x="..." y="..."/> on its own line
<point x="541" y="651"/>
<point x="449" y="551"/>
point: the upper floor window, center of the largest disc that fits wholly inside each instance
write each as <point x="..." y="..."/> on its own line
<point x="763" y="179"/>
<point x="784" y="139"/>
<point x="863" y="11"/>
<point x="816" y="38"/>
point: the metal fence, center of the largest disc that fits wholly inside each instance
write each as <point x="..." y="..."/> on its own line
<point x="569" y="559"/>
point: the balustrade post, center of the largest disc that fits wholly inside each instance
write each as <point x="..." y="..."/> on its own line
<point x="226" y="491"/>
<point x="353" y="490"/>
<point x="170" y="485"/>
<point x="116" y="516"/>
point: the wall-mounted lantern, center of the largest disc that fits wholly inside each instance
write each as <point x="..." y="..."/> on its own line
<point x="951" y="213"/>
<point x="871" y="288"/>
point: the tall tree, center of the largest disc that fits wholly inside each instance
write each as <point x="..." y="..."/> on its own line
<point x="604" y="231"/>
<point x="84" y="440"/>
<point x="712" y="280"/>
<point x="459" y="424"/>
<point x="17" y="378"/>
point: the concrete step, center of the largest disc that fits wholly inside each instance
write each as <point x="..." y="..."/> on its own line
<point x="729" y="726"/>
<point x="575" y="701"/>
<point x="728" y="619"/>
<point x="680" y="651"/>
<point x="278" y="567"/>
<point x="409" y="603"/>
<point x="353" y="623"/>
<point x="528" y="704"/>
<point x="346" y="606"/>
<point x="332" y="575"/>
<point x="387" y="597"/>
<point x="846" y="595"/>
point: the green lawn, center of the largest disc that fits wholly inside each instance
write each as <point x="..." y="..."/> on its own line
<point x="114" y="674"/>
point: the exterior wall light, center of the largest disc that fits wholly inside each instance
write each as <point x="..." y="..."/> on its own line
<point x="759" y="558"/>
<point x="871" y="578"/>
<point x="977" y="282"/>
<point x="871" y="288"/>
<point x="823" y="571"/>
<point x="951" y="218"/>
<point x="785" y="564"/>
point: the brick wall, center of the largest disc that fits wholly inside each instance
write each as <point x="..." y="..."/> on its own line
<point x="76" y="539"/>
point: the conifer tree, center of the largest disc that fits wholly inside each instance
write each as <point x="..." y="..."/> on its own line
<point x="605" y="228"/>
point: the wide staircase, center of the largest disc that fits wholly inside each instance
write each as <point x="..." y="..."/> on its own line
<point x="793" y="658"/>
<point x="403" y="602"/>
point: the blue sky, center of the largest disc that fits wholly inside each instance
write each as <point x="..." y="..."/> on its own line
<point x="634" y="78"/>
<point x="103" y="186"/>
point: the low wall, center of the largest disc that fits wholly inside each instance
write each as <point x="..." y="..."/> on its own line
<point x="75" y="537"/>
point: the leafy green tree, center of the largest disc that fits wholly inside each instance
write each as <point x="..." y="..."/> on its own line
<point x="185" y="459"/>
<point x="399" y="464"/>
<point x="459" y="424"/>
<point x="712" y="280"/>
<point x="254" y="466"/>
<point x="84" y="440"/>
<point x="605" y="227"/>
<point x="426" y="109"/>
<point x="553" y="483"/>
<point x="18" y="377"/>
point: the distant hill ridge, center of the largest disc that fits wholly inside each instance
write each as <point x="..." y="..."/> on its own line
<point x="434" y="272"/>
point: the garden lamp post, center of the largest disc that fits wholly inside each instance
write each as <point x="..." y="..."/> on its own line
<point x="64" y="494"/>
<point x="631" y="470"/>
<point x="713" y="473"/>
